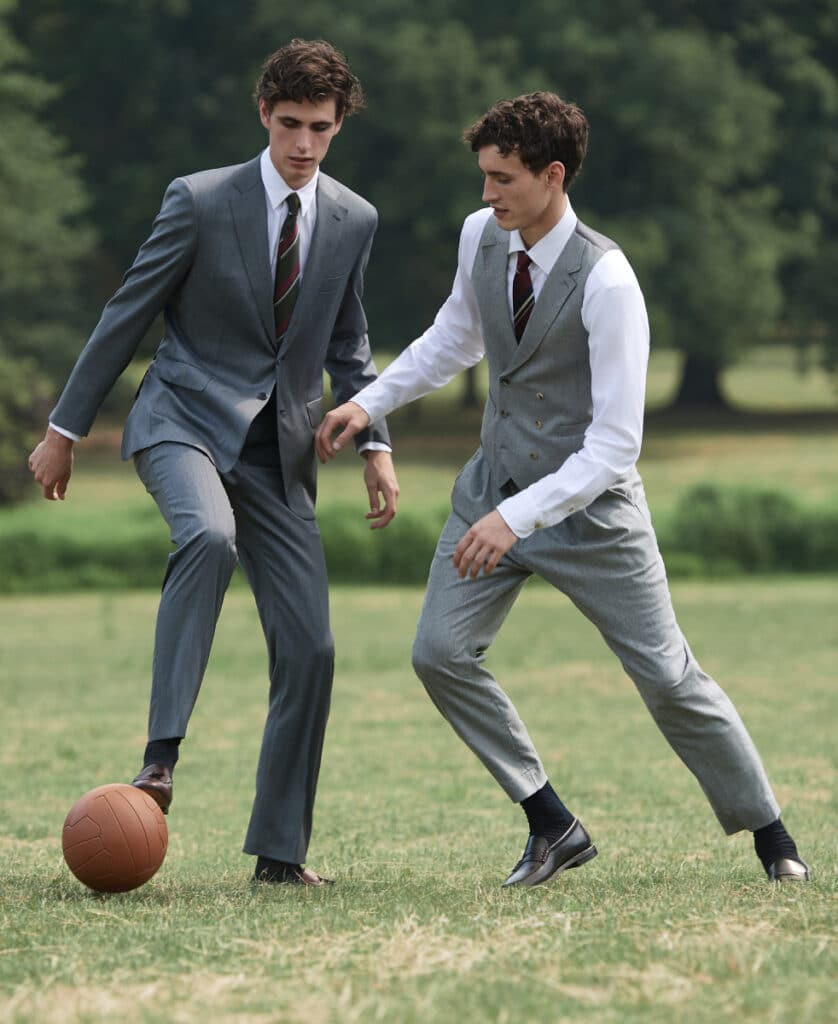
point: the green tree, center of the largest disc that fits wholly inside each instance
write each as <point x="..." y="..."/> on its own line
<point x="43" y="241"/>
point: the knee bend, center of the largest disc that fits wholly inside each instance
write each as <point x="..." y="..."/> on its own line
<point x="216" y="541"/>
<point x="432" y="654"/>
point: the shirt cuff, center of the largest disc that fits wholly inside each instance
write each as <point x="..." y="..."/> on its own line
<point x="374" y="446"/>
<point x="65" y="433"/>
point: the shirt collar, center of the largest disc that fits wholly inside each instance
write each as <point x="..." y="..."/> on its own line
<point x="547" y="250"/>
<point x="278" y="191"/>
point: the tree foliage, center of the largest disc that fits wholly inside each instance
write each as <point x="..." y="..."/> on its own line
<point x="714" y="139"/>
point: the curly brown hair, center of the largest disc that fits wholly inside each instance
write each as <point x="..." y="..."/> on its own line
<point x="309" y="71"/>
<point x="539" y="127"/>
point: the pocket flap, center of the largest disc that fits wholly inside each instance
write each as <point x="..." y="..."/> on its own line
<point x="185" y="375"/>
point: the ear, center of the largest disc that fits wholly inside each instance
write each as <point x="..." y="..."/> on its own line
<point x="555" y="175"/>
<point x="338" y="124"/>
<point x="264" y="114"/>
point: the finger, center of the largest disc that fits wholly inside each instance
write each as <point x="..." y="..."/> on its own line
<point x="461" y="549"/>
<point x="383" y="515"/>
<point x="49" y="492"/>
<point x="375" y="503"/>
<point x="348" y="432"/>
<point x="322" y="444"/>
<point x="61" y="488"/>
<point x="477" y="562"/>
<point x="464" y="555"/>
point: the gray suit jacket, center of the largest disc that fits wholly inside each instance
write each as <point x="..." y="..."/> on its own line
<point x="206" y="267"/>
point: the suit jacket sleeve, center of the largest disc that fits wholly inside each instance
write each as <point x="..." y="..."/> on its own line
<point x="349" y="361"/>
<point x="161" y="264"/>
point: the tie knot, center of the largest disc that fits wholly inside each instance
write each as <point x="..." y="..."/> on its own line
<point x="293" y="201"/>
<point x="524" y="261"/>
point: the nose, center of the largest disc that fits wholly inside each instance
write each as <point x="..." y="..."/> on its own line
<point x="303" y="142"/>
<point x="489" y="192"/>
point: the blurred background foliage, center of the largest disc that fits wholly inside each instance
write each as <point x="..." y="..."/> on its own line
<point x="713" y="159"/>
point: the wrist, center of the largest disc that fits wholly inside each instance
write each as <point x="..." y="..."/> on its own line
<point x="57" y="439"/>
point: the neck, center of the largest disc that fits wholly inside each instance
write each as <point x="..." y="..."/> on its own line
<point x="544" y="225"/>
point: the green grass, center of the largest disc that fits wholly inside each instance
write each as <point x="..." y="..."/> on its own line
<point x="672" y="922"/>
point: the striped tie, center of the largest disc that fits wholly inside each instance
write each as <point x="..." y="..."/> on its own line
<point x="522" y="296"/>
<point x="287" y="280"/>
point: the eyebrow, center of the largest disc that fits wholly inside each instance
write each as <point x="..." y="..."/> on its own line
<point x="317" y="125"/>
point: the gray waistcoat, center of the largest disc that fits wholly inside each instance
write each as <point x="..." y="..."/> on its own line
<point x="539" y="404"/>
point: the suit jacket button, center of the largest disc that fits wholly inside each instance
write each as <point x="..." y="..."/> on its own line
<point x="538" y="424"/>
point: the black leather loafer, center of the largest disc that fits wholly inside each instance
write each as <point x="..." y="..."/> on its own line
<point x="156" y="780"/>
<point x="279" y="873"/>
<point x="788" y="870"/>
<point x="542" y="860"/>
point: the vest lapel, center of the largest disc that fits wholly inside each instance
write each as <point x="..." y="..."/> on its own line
<point x="557" y="289"/>
<point x="493" y="299"/>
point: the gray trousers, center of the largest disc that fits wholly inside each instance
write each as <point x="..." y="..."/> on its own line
<point x="606" y="560"/>
<point x="216" y="520"/>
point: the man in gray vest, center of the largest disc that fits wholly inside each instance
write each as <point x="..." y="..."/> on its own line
<point x="553" y="489"/>
<point x="258" y="270"/>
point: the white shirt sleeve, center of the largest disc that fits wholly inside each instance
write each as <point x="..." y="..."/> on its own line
<point x="66" y="433"/>
<point x="614" y="314"/>
<point x="452" y="343"/>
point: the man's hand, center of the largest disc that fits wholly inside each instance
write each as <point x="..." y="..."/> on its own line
<point x="350" y="419"/>
<point x="483" y="546"/>
<point x="380" y="478"/>
<point x="52" y="464"/>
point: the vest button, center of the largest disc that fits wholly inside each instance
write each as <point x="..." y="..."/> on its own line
<point x="505" y="381"/>
<point x="262" y="396"/>
<point x="533" y="455"/>
<point x="539" y="395"/>
<point x="504" y="413"/>
<point x="538" y="424"/>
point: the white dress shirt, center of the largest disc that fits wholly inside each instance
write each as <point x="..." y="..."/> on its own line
<point x="613" y="313"/>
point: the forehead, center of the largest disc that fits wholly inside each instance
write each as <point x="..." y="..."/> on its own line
<point x="307" y="112"/>
<point x="490" y="161"/>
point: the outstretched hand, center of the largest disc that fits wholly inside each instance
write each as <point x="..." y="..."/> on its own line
<point x="350" y="419"/>
<point x="51" y="464"/>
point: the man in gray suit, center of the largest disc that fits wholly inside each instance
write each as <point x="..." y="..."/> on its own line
<point x="258" y="270"/>
<point x="553" y="489"/>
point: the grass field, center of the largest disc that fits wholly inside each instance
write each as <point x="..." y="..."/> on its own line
<point x="672" y="922"/>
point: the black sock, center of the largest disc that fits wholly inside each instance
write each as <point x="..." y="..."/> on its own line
<point x="773" y="842"/>
<point x="546" y="814"/>
<point x="162" y="752"/>
<point x="269" y="870"/>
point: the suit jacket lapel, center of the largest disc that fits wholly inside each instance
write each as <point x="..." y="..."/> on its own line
<point x="251" y="223"/>
<point x="325" y="245"/>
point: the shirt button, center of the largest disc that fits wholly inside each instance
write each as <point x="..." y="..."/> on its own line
<point x="538" y="424"/>
<point x="539" y="395"/>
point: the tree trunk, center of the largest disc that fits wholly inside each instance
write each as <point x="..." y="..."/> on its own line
<point x="700" y="384"/>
